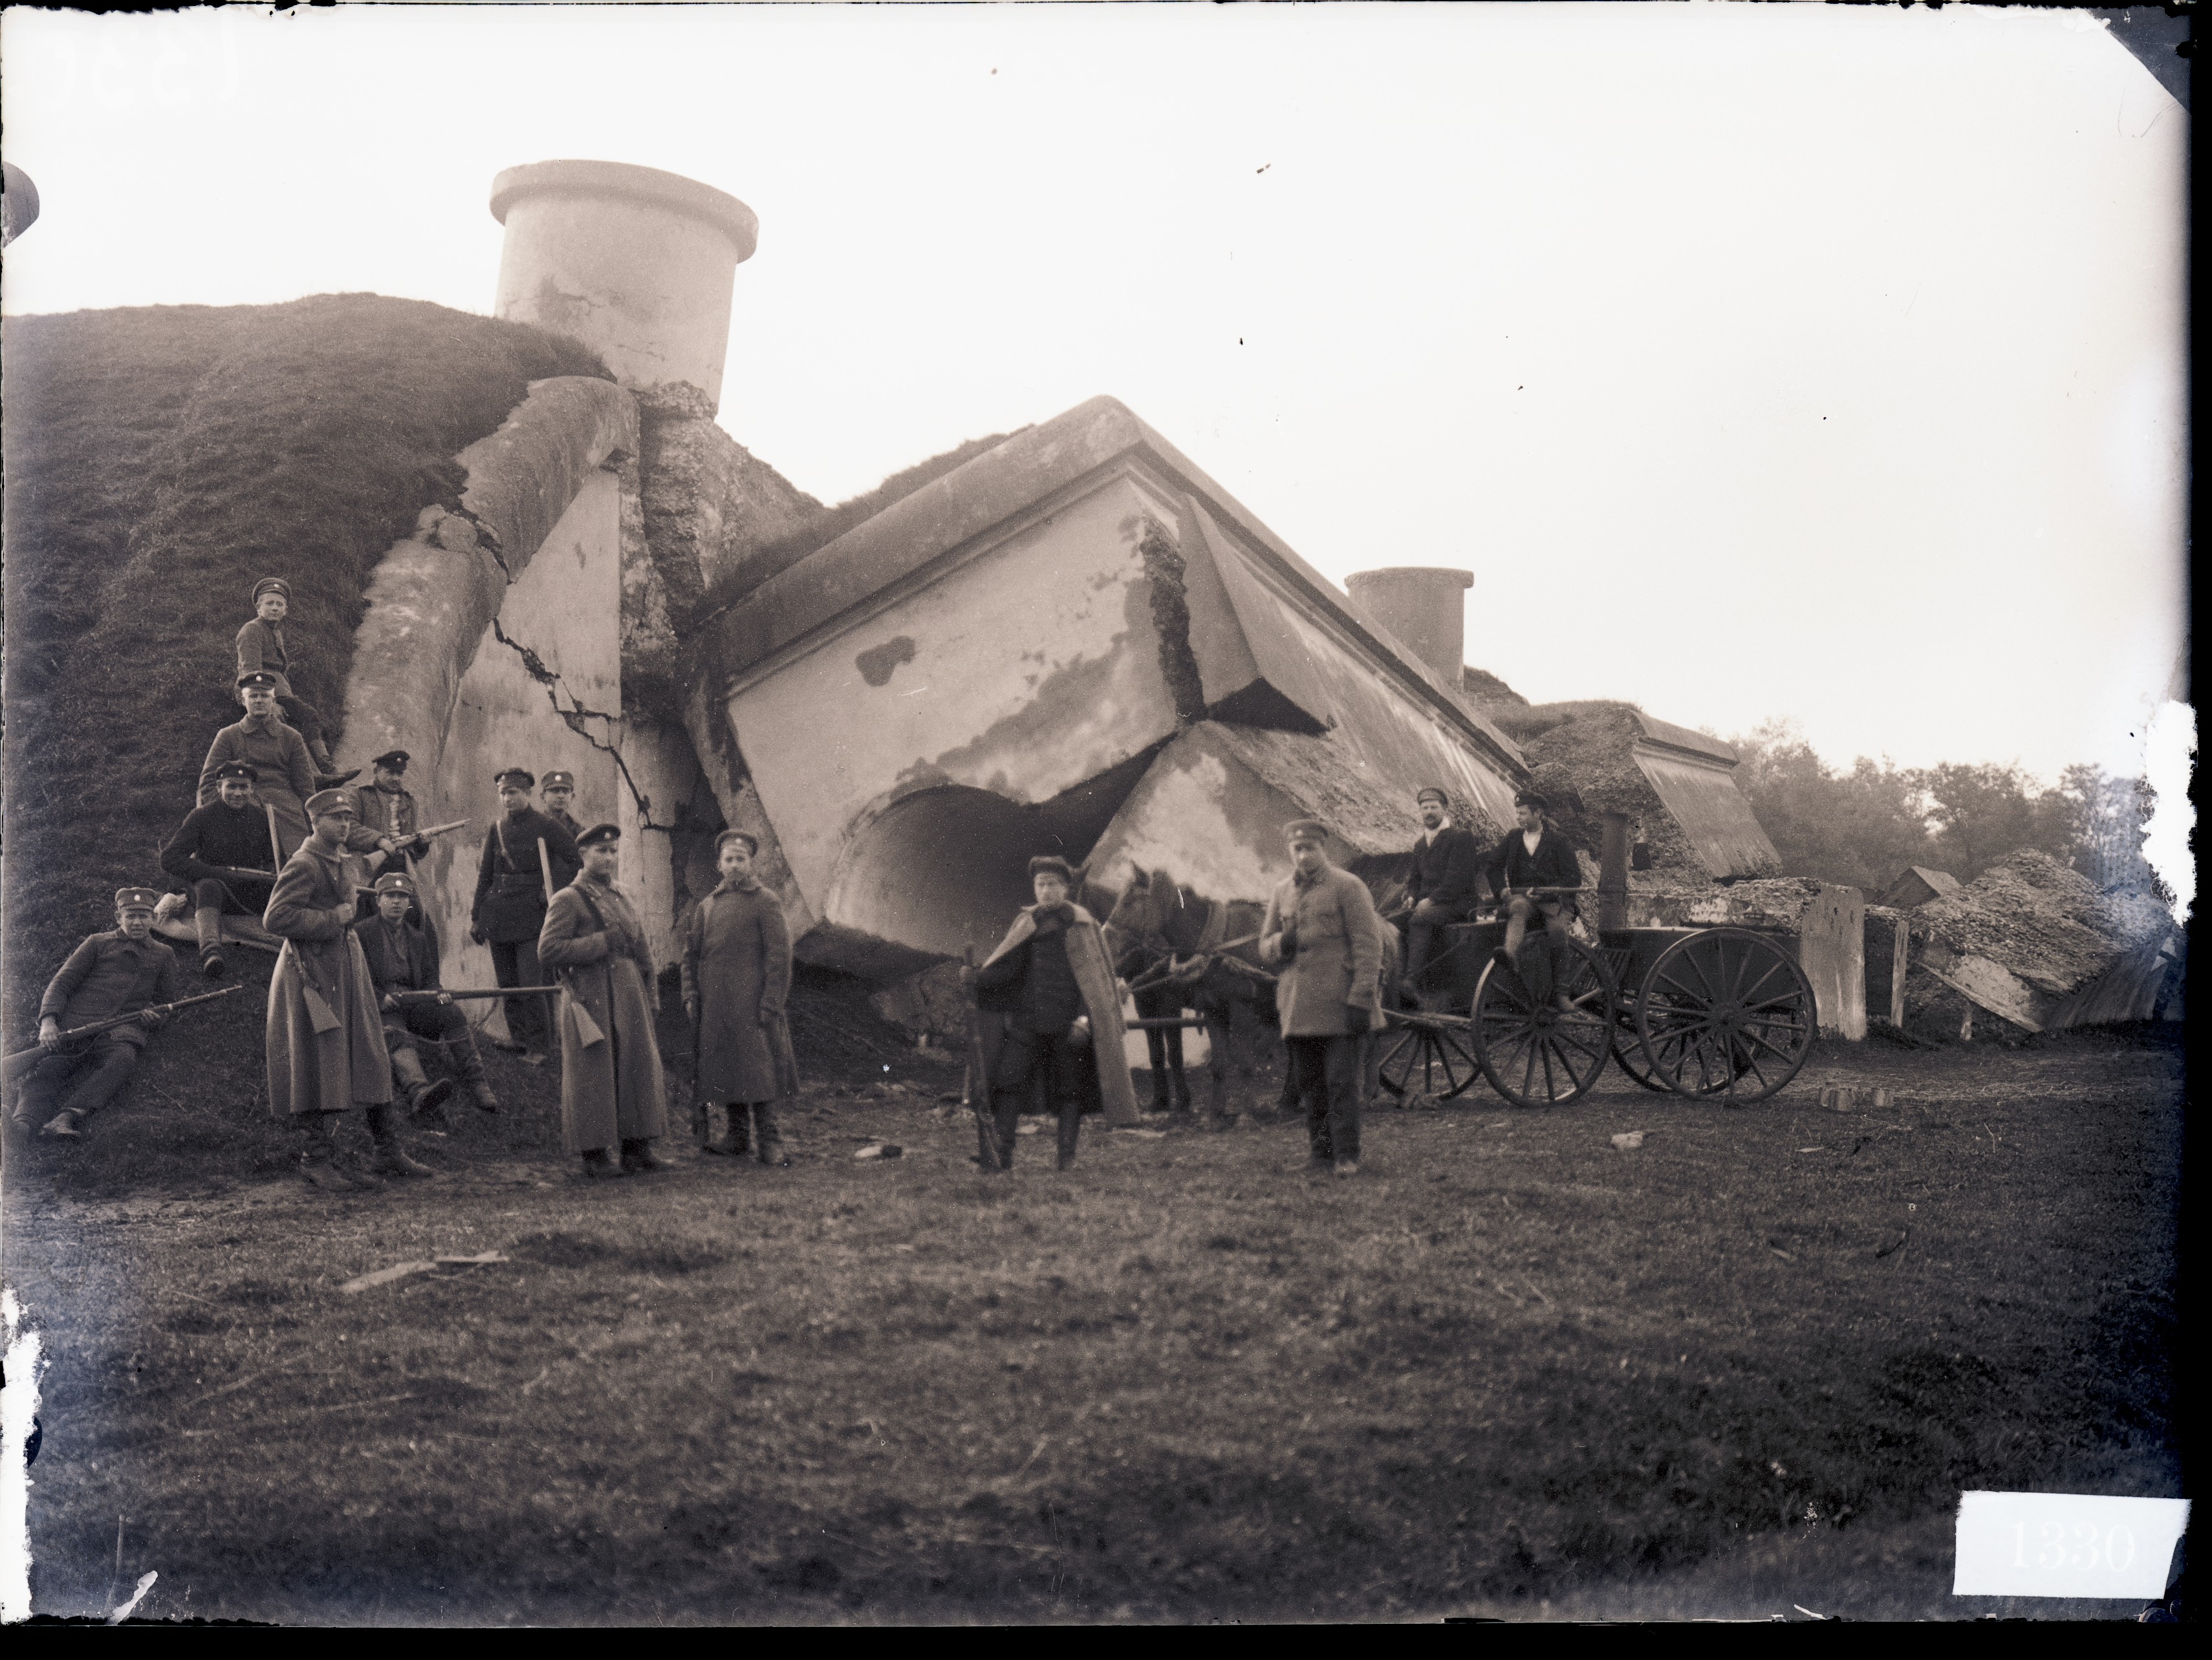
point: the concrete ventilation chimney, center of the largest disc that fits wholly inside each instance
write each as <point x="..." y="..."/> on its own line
<point x="635" y="263"/>
<point x="1421" y="605"/>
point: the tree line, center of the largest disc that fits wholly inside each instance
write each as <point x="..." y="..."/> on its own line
<point x="1865" y="824"/>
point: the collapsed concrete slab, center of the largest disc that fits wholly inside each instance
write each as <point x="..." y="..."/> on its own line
<point x="2029" y="945"/>
<point x="1915" y="884"/>
<point x="992" y="667"/>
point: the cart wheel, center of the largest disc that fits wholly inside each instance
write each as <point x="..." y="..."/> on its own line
<point x="1628" y="1051"/>
<point x="1726" y="1013"/>
<point x="1418" y="1057"/>
<point x="1534" y="1053"/>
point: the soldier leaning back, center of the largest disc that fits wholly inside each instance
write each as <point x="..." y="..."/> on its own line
<point x="122" y="971"/>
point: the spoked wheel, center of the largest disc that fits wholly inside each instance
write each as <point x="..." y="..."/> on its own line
<point x="1427" y="1054"/>
<point x="1628" y="1052"/>
<point x="1726" y="1014"/>
<point x="1534" y="1052"/>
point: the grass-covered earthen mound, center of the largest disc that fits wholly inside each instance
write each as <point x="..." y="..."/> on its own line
<point x="160" y="459"/>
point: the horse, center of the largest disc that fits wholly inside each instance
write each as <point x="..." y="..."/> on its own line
<point x="1178" y="951"/>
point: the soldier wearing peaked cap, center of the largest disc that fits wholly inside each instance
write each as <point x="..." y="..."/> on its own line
<point x="221" y="855"/>
<point x="119" y="971"/>
<point x="509" y="912"/>
<point x="558" y="790"/>
<point x="1322" y="927"/>
<point x="261" y="650"/>
<point x="387" y="818"/>
<point x="324" y="1043"/>
<point x="1052" y="983"/>
<point x="283" y="773"/>
<point x="402" y="954"/>
<point x="612" y="1089"/>
<point x="737" y="978"/>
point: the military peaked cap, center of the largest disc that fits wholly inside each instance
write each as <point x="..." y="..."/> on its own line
<point x="236" y="769"/>
<point x="1051" y="864"/>
<point x="1306" y="829"/>
<point x="395" y="881"/>
<point x="271" y="584"/>
<point x="520" y="777"/>
<point x="1530" y="798"/>
<point x="1423" y="795"/>
<point x="598" y="833"/>
<point x="560" y="780"/>
<point x="136" y="898"/>
<point x="323" y="803"/>
<point x="257" y="677"/>
<point x="751" y="841"/>
<point x="395" y="759"/>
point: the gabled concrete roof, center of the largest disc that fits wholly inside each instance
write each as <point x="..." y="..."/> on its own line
<point x="1028" y="468"/>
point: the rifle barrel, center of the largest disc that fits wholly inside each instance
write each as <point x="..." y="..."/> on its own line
<point x="496" y="991"/>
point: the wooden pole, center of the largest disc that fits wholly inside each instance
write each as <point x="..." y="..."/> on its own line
<point x="545" y="871"/>
<point x="1897" y="952"/>
<point x="1613" y="872"/>
<point x="276" y="843"/>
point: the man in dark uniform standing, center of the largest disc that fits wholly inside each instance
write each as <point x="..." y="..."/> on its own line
<point x="559" y="790"/>
<point x="121" y="971"/>
<point x="1447" y="864"/>
<point x="221" y="853"/>
<point x="509" y="910"/>
<point x="403" y="961"/>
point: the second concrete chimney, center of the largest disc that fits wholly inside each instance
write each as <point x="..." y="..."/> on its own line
<point x="635" y="263"/>
<point x="1421" y="605"/>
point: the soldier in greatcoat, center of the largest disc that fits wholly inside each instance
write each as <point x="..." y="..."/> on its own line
<point x="1052" y="982"/>
<point x="736" y="976"/>
<point x="1323" y="929"/>
<point x="283" y="773"/>
<point x="325" y="1036"/>
<point x="611" y="1087"/>
<point x="508" y="913"/>
<point x="386" y="817"/>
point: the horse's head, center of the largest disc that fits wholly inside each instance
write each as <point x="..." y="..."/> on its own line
<point x="1135" y="936"/>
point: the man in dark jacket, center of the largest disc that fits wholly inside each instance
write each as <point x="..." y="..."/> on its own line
<point x="222" y="855"/>
<point x="559" y="791"/>
<point x="509" y="911"/>
<point x="1446" y="866"/>
<point x="1053" y="979"/>
<point x="402" y="966"/>
<point x="1534" y="856"/>
<point x="122" y="971"/>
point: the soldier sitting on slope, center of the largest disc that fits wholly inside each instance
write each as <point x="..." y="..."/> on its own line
<point x="402" y="966"/>
<point x="221" y="853"/>
<point x="261" y="650"/>
<point x="111" y="973"/>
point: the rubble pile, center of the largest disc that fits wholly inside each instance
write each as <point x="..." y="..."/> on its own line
<point x="1579" y="756"/>
<point x="2032" y="945"/>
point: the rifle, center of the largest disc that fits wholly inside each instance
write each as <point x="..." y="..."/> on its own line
<point x="979" y="1080"/>
<point x="227" y="873"/>
<point x="496" y="991"/>
<point x="22" y="1058"/>
<point x="440" y="829"/>
<point x="276" y="845"/>
<point x="545" y="871"/>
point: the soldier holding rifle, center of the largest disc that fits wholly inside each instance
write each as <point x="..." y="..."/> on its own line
<point x="403" y="965"/>
<point x="222" y="854"/>
<point x="118" y="973"/>
<point x="526" y="859"/>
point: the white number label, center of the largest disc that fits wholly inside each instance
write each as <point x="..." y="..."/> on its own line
<point x="2066" y="1544"/>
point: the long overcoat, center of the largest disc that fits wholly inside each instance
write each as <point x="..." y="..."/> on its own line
<point x="737" y="972"/>
<point x="324" y="1043"/>
<point x="611" y="1087"/>
<point x="1338" y="962"/>
<point x="1102" y="1003"/>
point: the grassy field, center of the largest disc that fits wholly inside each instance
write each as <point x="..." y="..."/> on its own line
<point x="1508" y="1370"/>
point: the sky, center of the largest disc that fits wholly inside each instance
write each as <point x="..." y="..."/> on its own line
<point x="1803" y="362"/>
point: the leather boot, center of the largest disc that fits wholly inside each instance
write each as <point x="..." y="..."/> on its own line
<point x="207" y="922"/>
<point x="391" y="1159"/>
<point x="599" y="1167"/>
<point x="638" y="1156"/>
<point x="472" y="1075"/>
<point x="1071" y="1125"/>
<point x="768" y="1139"/>
<point x="317" y="1158"/>
<point x="424" y="1098"/>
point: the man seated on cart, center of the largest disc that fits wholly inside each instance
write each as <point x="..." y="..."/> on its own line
<point x="1533" y="868"/>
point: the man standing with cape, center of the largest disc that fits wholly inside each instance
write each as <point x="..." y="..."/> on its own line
<point x="1052" y="983"/>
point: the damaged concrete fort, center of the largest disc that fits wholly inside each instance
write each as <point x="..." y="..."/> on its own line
<point x="1072" y="641"/>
